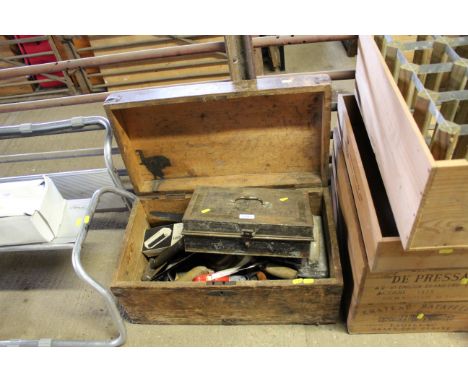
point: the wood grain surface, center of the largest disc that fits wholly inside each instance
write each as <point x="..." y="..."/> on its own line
<point x="383" y="246"/>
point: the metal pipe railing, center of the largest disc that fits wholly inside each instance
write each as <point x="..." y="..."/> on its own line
<point x="116" y="58"/>
<point x="101" y="97"/>
<point x="265" y="41"/>
<point x="83" y="275"/>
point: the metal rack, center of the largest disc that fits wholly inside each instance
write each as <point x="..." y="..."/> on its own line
<point x="186" y="52"/>
<point x="93" y="184"/>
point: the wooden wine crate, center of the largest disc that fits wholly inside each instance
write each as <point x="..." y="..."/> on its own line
<point x="270" y="132"/>
<point x="383" y="246"/>
<point x="396" y="301"/>
<point x="427" y="191"/>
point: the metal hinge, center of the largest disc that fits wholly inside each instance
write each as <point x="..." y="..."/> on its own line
<point x="173" y="195"/>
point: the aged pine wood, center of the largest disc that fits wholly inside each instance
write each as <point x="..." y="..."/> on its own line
<point x="407" y="167"/>
<point x="346" y="207"/>
<point x="444" y="216"/>
<point x="248" y="302"/>
<point x="383" y="246"/>
<point x="277" y="126"/>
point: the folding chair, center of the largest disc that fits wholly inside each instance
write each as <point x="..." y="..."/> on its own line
<point x="92" y="184"/>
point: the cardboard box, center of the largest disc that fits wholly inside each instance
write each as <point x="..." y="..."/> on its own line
<point x="34" y="211"/>
<point x="30" y="212"/>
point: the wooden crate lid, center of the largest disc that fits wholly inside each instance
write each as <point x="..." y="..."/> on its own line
<point x="272" y="131"/>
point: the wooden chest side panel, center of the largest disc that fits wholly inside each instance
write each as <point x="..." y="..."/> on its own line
<point x="402" y="155"/>
<point x="392" y="257"/>
<point x="251" y="302"/>
<point x="131" y="262"/>
<point x="259" y="304"/>
<point x="409" y="318"/>
<point x="331" y="239"/>
<point x="443" y="220"/>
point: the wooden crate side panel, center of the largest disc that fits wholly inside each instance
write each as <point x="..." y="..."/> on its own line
<point x="392" y="257"/>
<point x="283" y="303"/>
<point x="408" y="318"/>
<point x="355" y="244"/>
<point x="414" y="286"/>
<point x="368" y="220"/>
<point x="402" y="155"/>
<point x="331" y="239"/>
<point x="443" y="221"/>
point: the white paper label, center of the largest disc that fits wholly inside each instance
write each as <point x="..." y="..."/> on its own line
<point x="246" y="216"/>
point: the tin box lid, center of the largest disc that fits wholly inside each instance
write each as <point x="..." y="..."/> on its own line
<point x="260" y="212"/>
<point x="272" y="131"/>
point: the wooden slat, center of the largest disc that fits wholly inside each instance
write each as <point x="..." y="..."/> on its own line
<point x="154" y="73"/>
<point x="402" y="155"/>
<point x="443" y="219"/>
<point x="409" y="318"/>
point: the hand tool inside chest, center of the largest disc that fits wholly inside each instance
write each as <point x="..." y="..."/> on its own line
<point x="249" y="221"/>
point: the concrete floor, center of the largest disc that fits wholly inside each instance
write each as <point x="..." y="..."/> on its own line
<point x="41" y="297"/>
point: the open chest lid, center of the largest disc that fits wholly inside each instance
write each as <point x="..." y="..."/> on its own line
<point x="272" y="131"/>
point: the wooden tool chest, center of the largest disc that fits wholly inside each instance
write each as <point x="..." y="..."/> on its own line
<point x="388" y="289"/>
<point x="400" y="99"/>
<point x="270" y="132"/>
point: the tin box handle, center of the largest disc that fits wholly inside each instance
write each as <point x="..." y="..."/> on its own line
<point x="248" y="198"/>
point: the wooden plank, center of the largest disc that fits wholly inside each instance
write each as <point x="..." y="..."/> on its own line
<point x="444" y="140"/>
<point x="131" y="261"/>
<point x="409" y="318"/>
<point x="354" y="242"/>
<point x="444" y="220"/>
<point x="188" y="184"/>
<point x="461" y="150"/>
<point x="368" y="219"/>
<point x="151" y="73"/>
<point x="402" y="155"/>
<point x="5" y="51"/>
